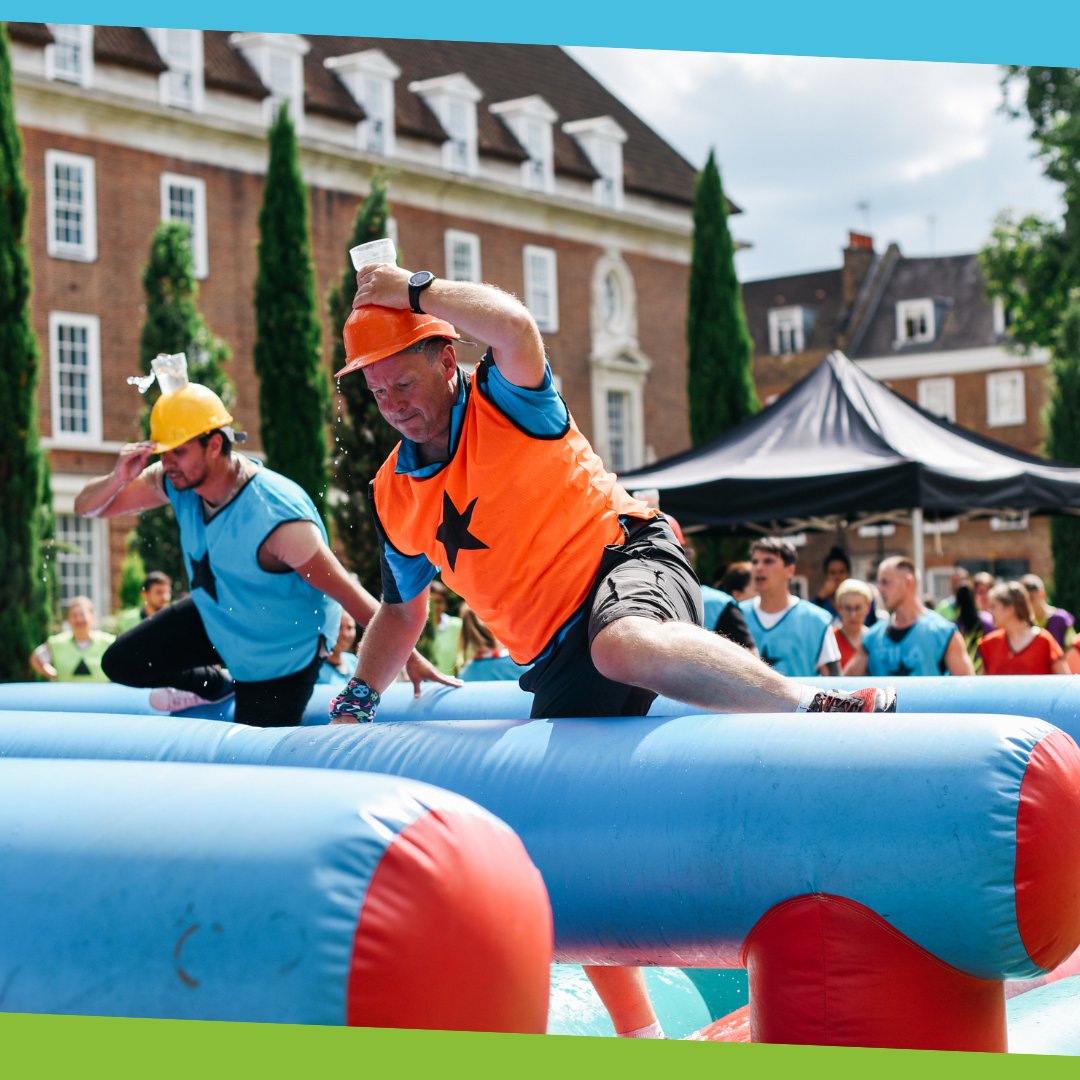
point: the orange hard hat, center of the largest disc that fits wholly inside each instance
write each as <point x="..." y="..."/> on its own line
<point x="373" y="333"/>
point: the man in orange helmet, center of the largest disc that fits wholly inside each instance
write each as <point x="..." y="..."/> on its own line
<point x="266" y="590"/>
<point x="493" y="483"/>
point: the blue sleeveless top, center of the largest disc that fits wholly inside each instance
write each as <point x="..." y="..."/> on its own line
<point x="793" y="645"/>
<point x="716" y="603"/>
<point x="265" y="625"/>
<point x="921" y="651"/>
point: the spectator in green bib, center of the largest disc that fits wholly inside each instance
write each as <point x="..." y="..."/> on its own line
<point x="74" y="655"/>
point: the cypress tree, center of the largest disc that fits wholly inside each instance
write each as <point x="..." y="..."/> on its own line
<point x="293" y="390"/>
<point x="362" y="439"/>
<point x="26" y="595"/>
<point x="1063" y="444"/>
<point x="720" y="350"/>
<point x="173" y="324"/>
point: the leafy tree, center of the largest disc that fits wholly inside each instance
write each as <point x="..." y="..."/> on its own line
<point x="132" y="575"/>
<point x="1030" y="262"/>
<point x="720" y="350"/>
<point x="362" y="439"/>
<point x="1063" y="443"/>
<point x="293" y="390"/>
<point x="26" y="584"/>
<point x="1033" y="264"/>
<point x="173" y="324"/>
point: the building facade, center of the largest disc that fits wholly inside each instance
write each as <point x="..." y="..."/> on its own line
<point x="926" y="328"/>
<point x="506" y="163"/>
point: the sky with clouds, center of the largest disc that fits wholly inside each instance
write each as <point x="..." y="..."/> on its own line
<point x="803" y="141"/>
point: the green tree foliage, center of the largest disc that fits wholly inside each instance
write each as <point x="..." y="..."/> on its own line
<point x="362" y="439"/>
<point x="293" y="390"/>
<point x="26" y="599"/>
<point x="173" y="324"/>
<point x="1063" y="444"/>
<point x="720" y="350"/>
<point x="1030" y="263"/>
<point x="1033" y="265"/>
<point x="132" y="575"/>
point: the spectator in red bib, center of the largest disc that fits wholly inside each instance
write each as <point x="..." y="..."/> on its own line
<point x="1017" y="646"/>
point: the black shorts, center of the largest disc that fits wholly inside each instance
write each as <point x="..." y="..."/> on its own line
<point x="648" y="576"/>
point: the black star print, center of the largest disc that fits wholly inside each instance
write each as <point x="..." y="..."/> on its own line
<point x="454" y="532"/>
<point x="202" y="576"/>
<point x="81" y="669"/>
<point x="902" y="669"/>
<point x="772" y="661"/>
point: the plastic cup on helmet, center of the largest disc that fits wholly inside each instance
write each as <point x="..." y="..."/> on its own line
<point x="374" y="252"/>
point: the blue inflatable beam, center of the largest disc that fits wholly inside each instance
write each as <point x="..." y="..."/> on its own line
<point x="1055" y="699"/>
<point x="203" y="892"/>
<point x="663" y="841"/>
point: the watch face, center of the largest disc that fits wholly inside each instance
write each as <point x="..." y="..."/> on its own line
<point x="421" y="278"/>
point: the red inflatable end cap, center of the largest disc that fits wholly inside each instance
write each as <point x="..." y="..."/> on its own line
<point x="455" y="933"/>
<point x="1047" y="879"/>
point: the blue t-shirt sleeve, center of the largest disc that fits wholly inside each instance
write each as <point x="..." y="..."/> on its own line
<point x="404" y="576"/>
<point x="540" y="412"/>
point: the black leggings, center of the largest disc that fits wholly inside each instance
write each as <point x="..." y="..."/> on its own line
<point x="171" y="648"/>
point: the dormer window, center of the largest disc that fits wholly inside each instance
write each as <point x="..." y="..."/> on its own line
<point x="602" y="140"/>
<point x="369" y="76"/>
<point x="453" y="99"/>
<point x="530" y="120"/>
<point x="278" y="60"/>
<point x="787" y="330"/>
<point x="182" y="85"/>
<point x="915" y="321"/>
<point x="70" y="58"/>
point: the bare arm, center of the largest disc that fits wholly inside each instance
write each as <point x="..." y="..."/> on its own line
<point x="300" y="546"/>
<point x="41" y="661"/>
<point x="126" y="490"/>
<point x="1060" y="667"/>
<point x="957" y="660"/>
<point x="483" y="312"/>
<point x="389" y="641"/>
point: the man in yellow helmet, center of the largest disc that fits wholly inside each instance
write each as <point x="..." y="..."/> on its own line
<point x="493" y="483"/>
<point x="266" y="590"/>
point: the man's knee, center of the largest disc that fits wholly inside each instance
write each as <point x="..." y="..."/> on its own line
<point x="620" y="650"/>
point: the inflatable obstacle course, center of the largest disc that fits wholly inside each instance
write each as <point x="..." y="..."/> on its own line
<point x="933" y="859"/>
<point x="290" y="896"/>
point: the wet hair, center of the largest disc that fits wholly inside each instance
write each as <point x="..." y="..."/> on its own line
<point x="854" y="587"/>
<point x="475" y="633"/>
<point x="735" y="578"/>
<point x="967" y="614"/>
<point x="776" y="545"/>
<point x="156" y="577"/>
<point x="836" y="554"/>
<point x="1014" y="595"/>
<point x="898" y="562"/>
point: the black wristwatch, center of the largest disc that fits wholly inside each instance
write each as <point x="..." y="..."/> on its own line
<point x="417" y="284"/>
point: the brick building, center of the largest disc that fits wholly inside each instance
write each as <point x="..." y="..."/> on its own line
<point x="925" y="327"/>
<point x="508" y="163"/>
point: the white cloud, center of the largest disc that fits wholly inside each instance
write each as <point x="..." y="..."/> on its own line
<point x="801" y="141"/>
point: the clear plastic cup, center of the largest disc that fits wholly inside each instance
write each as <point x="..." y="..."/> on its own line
<point x="373" y="252"/>
<point x="171" y="371"/>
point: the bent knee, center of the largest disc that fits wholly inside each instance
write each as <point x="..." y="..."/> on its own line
<point x="620" y="651"/>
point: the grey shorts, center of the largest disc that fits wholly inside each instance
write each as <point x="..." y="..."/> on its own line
<point x="647" y="576"/>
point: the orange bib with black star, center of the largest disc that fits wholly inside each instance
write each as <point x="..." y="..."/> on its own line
<point x="517" y="522"/>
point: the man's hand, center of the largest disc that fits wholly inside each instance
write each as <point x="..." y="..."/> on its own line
<point x="132" y="459"/>
<point x="419" y="669"/>
<point x="382" y="284"/>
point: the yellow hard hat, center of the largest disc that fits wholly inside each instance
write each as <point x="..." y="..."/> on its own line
<point x="373" y="333"/>
<point x="184" y="414"/>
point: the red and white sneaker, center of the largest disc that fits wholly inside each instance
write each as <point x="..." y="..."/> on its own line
<point x="872" y="699"/>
